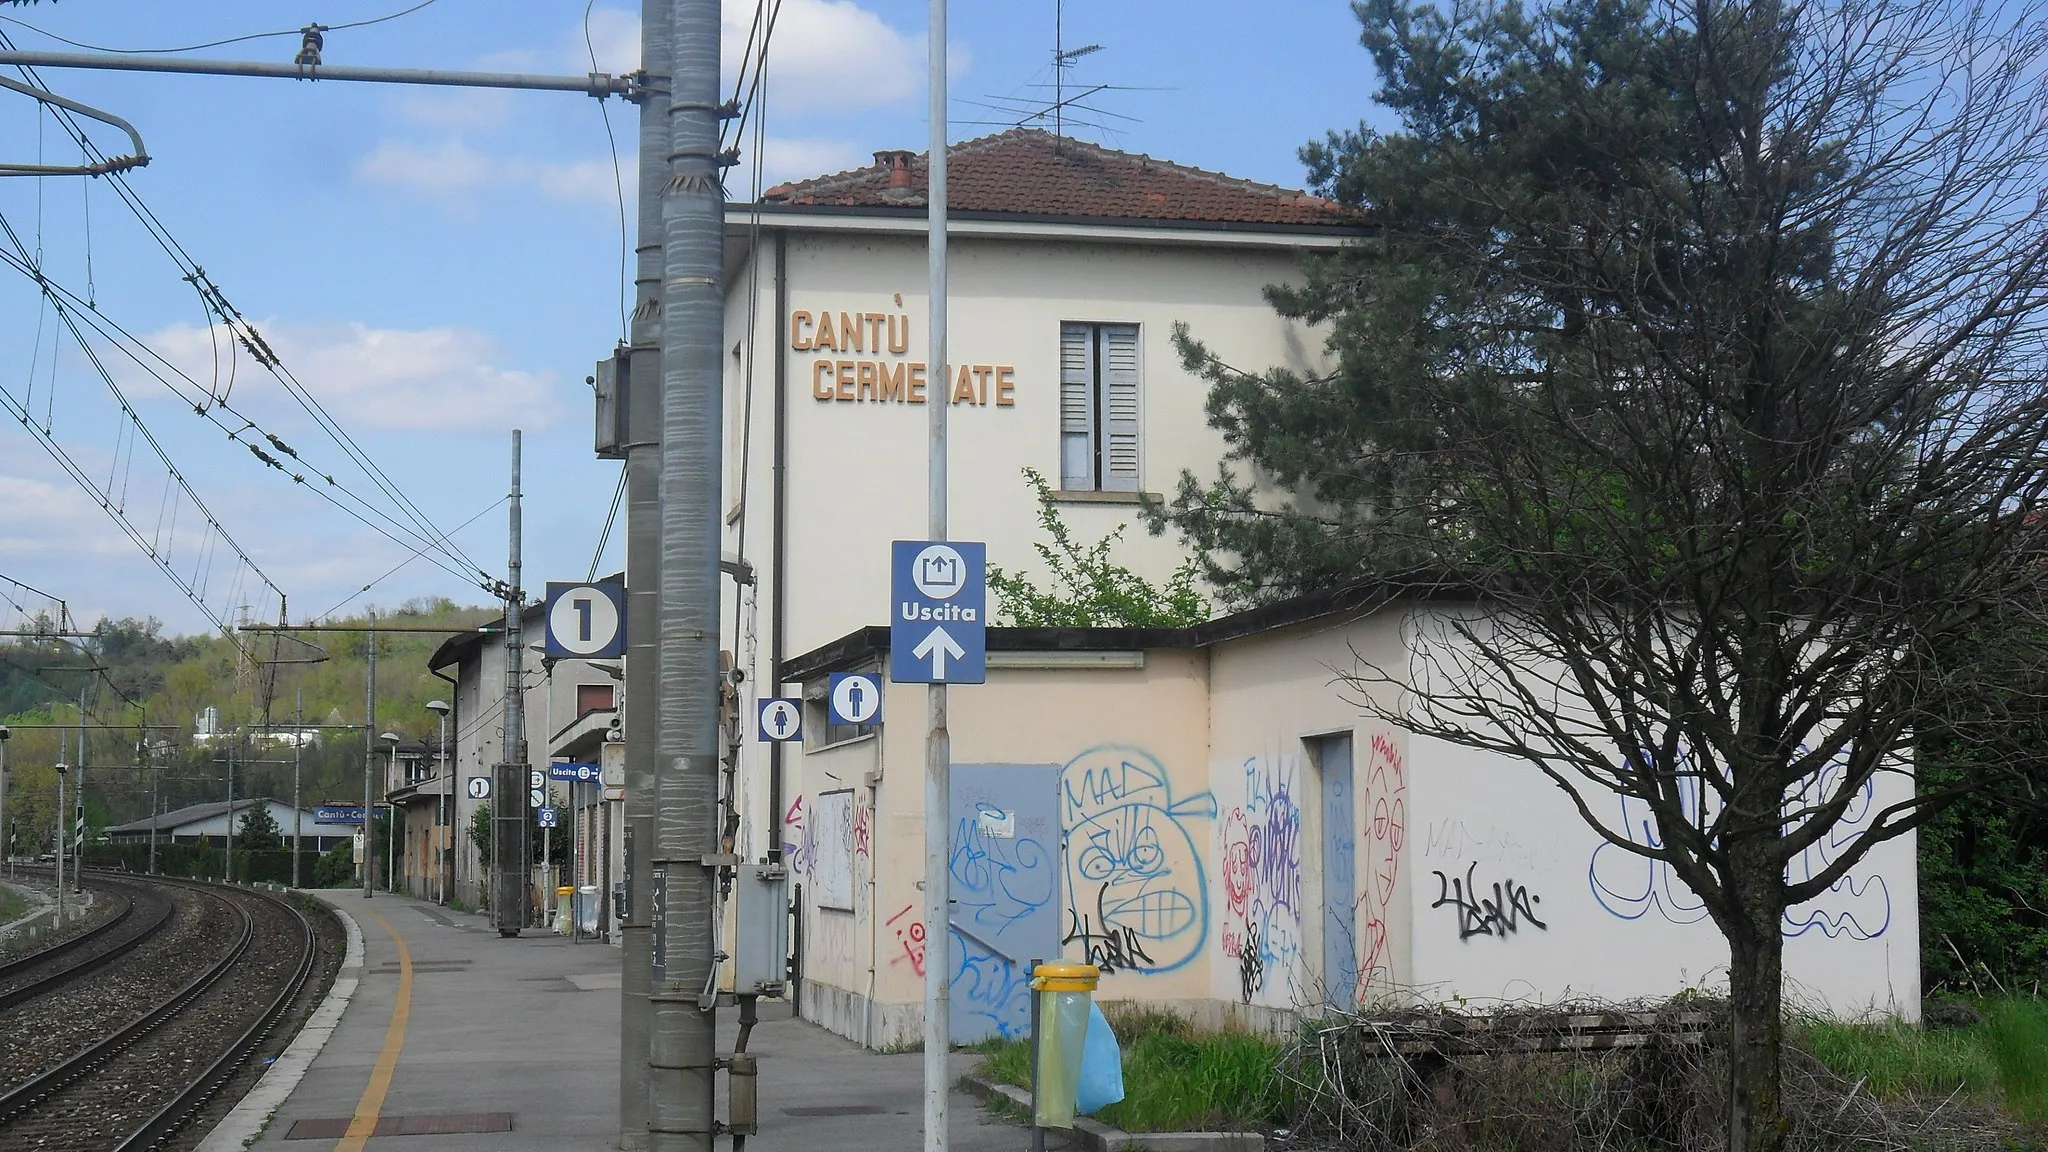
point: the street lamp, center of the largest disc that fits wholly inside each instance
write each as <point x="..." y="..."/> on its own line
<point x="443" y="784"/>
<point x="391" y="829"/>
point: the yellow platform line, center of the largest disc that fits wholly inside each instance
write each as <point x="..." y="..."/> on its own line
<point x="371" y="1105"/>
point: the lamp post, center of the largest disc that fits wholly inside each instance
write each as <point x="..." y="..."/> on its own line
<point x="391" y="829"/>
<point x="61" y="770"/>
<point x="442" y="784"/>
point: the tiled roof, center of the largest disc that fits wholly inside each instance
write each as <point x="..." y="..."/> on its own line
<point x="1027" y="171"/>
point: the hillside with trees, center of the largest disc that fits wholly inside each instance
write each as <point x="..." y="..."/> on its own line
<point x="130" y="674"/>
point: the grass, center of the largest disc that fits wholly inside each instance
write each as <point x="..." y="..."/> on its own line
<point x="1175" y="1078"/>
<point x="13" y="905"/>
<point x="2005" y="1054"/>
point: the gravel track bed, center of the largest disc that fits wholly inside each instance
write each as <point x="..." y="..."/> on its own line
<point x="49" y="1029"/>
<point x="117" y="1099"/>
<point x="145" y="909"/>
<point x="43" y="881"/>
<point x="330" y="944"/>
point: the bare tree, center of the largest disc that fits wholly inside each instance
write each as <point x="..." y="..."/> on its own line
<point x="1702" y="343"/>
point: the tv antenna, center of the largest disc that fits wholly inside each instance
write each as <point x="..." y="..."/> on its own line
<point x="1062" y="59"/>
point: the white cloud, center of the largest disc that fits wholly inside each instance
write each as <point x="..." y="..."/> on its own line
<point x="451" y="169"/>
<point x="446" y="379"/>
<point x="460" y="108"/>
<point x="825" y="54"/>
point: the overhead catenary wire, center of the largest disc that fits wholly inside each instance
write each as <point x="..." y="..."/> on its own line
<point x="176" y="380"/>
<point x="214" y="43"/>
<point x="259" y="349"/>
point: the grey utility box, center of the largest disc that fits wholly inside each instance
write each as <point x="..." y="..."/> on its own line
<point x="760" y="965"/>
<point x="612" y="384"/>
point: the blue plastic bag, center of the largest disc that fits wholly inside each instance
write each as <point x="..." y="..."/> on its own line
<point x="1102" y="1066"/>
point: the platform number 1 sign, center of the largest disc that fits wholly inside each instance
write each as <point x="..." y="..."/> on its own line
<point x="585" y="620"/>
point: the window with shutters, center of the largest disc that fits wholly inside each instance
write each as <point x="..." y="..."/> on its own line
<point x="1100" y="443"/>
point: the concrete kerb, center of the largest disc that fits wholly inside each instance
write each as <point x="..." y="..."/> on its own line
<point x="1096" y="1136"/>
<point x="241" y="1126"/>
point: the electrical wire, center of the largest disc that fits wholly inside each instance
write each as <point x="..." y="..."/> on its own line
<point x="247" y="335"/>
<point x="417" y="553"/>
<point x="172" y="377"/>
<point x="213" y="43"/>
<point x="610" y="518"/>
<point x="618" y="184"/>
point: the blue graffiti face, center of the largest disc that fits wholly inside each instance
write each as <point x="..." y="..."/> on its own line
<point x="1127" y="839"/>
<point x="1858" y="906"/>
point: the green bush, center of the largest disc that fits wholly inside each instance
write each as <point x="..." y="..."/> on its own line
<point x="337" y="868"/>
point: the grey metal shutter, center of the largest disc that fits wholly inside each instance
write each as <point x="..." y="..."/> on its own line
<point x="1077" y="407"/>
<point x="1120" y="424"/>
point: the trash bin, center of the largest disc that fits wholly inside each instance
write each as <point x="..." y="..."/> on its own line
<point x="562" y="914"/>
<point x="587" y="904"/>
<point x="1064" y="992"/>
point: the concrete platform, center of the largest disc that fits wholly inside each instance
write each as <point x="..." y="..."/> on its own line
<point x="525" y="1032"/>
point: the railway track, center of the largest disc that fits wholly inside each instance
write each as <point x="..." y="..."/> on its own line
<point x="137" y="1078"/>
<point x="138" y="913"/>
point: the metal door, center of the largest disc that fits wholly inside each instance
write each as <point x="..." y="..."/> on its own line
<point x="1340" y="880"/>
<point x="1004" y="856"/>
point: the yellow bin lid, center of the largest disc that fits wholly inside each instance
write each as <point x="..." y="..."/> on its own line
<point x="565" y="890"/>
<point x="1066" y="977"/>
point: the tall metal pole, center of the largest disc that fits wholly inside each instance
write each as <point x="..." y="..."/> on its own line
<point x="60" y="833"/>
<point x="233" y="746"/>
<point x="7" y="833"/>
<point x="369" y="751"/>
<point x="156" y="801"/>
<point x="78" y="806"/>
<point x="639" y="724"/>
<point x="443" y="782"/>
<point x="298" y="759"/>
<point x="509" y="813"/>
<point x="681" y="1047"/>
<point x="938" y="749"/>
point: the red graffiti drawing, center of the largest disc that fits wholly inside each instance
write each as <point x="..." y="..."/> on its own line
<point x="911" y="936"/>
<point x="1237" y="878"/>
<point x="862" y="821"/>
<point x="1386" y="799"/>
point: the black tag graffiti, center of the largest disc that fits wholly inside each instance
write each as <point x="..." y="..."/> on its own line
<point x="1109" y="949"/>
<point x="1251" y="967"/>
<point x="1510" y="906"/>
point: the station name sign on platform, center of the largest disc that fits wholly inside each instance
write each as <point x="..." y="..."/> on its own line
<point x="938" y="612"/>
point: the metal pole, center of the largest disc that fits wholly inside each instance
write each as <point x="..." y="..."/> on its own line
<point x="682" y="1046"/>
<point x="638" y="723"/>
<point x="230" y="870"/>
<point x="441" y="829"/>
<point x="509" y="812"/>
<point x="369" y="750"/>
<point x="61" y="769"/>
<point x="6" y="832"/>
<point x="938" y="751"/>
<point x="298" y="759"/>
<point x="78" y="806"/>
<point x="596" y="84"/>
<point x="156" y="802"/>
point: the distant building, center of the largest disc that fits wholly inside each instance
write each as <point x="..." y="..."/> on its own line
<point x="187" y="825"/>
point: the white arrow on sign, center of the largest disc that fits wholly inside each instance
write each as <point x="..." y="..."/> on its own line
<point x="936" y="647"/>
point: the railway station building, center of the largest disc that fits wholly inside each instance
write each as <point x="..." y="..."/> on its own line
<point x="1203" y="812"/>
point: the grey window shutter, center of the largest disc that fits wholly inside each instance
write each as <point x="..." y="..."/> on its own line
<point x="1077" y="407"/>
<point x="1120" y="424"/>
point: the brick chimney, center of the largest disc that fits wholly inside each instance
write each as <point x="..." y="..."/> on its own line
<point x="896" y="162"/>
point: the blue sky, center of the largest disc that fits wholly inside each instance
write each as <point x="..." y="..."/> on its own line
<point x="437" y="267"/>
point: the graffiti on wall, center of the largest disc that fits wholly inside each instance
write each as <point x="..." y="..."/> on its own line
<point x="987" y="987"/>
<point x="1130" y="842"/>
<point x="909" y="929"/>
<point x="1262" y="873"/>
<point x="1499" y="911"/>
<point x="799" y="847"/>
<point x="1001" y="874"/>
<point x="1858" y="906"/>
<point x="1385" y="806"/>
